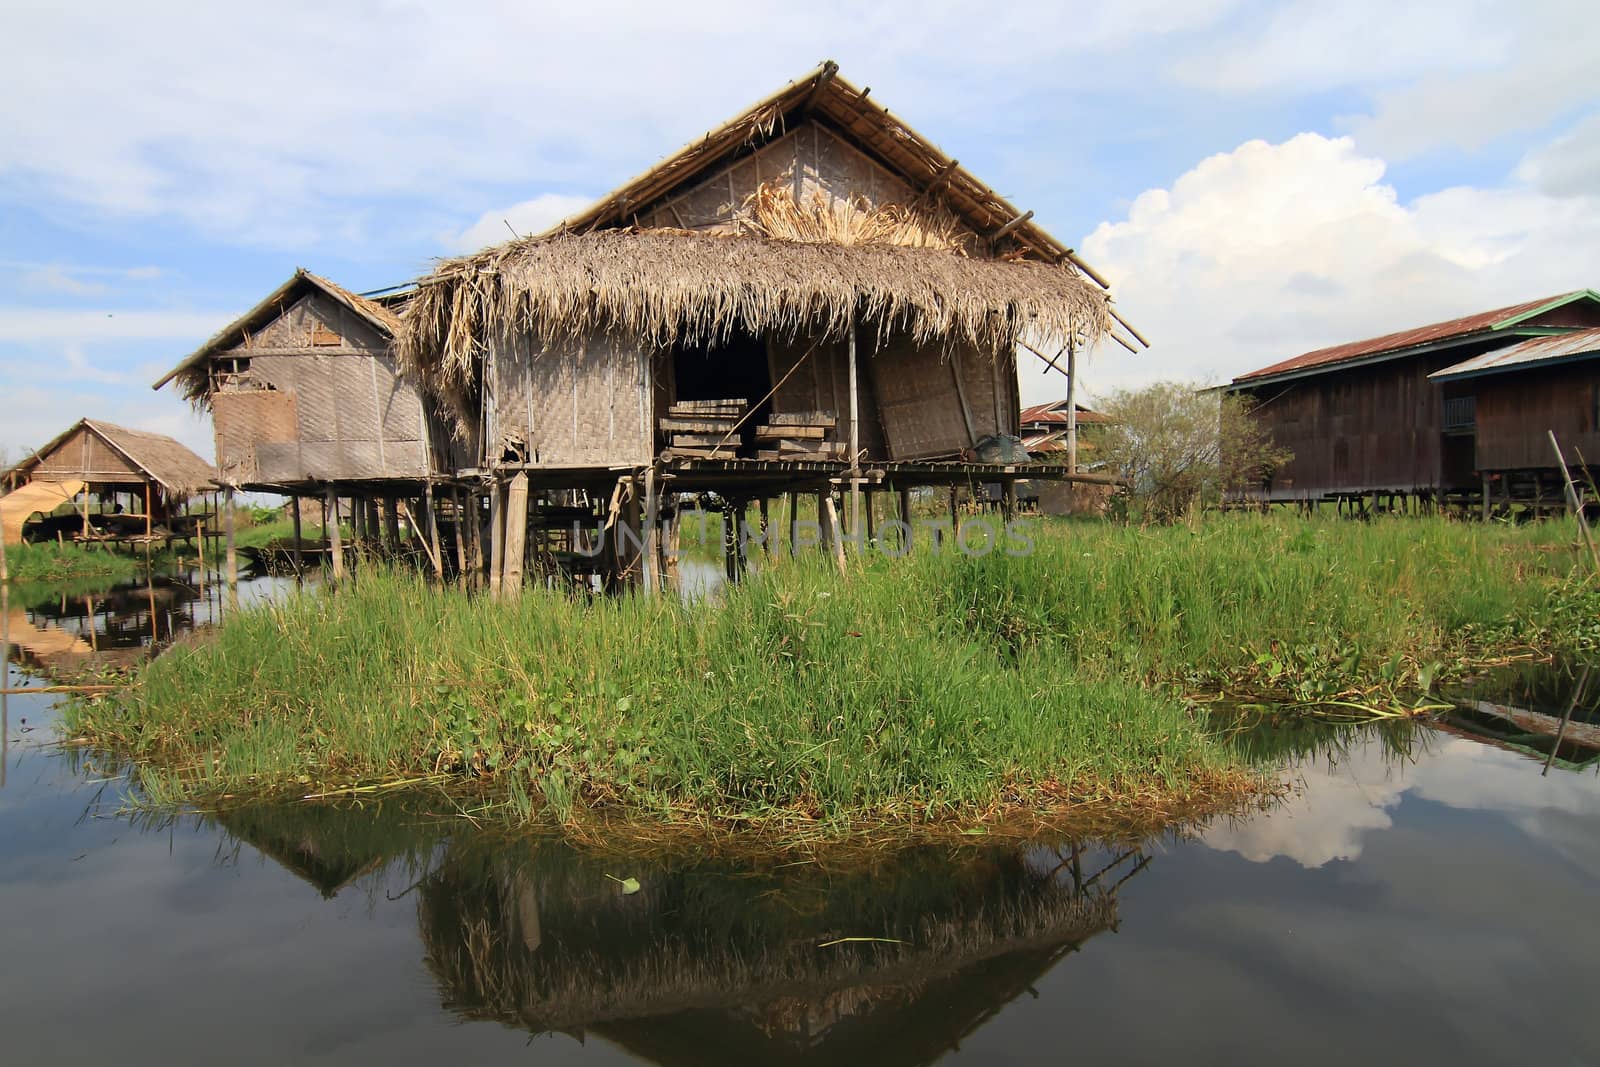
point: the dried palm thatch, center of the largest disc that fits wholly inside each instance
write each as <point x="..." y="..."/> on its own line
<point x="772" y="212"/>
<point x="659" y="287"/>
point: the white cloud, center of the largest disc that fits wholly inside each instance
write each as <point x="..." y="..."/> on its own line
<point x="1549" y="69"/>
<point x="529" y="217"/>
<point x="231" y="119"/>
<point x="1568" y="165"/>
<point x="1328" y="46"/>
<point x="1270" y="250"/>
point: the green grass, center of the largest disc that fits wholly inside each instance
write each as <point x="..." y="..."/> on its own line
<point x="935" y="688"/>
<point x="50" y="562"/>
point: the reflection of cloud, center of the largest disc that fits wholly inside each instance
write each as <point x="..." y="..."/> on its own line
<point x="1338" y="805"/>
<point x="1322" y="821"/>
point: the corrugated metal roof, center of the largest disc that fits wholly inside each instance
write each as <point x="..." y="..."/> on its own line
<point x="1451" y="329"/>
<point x="1056" y="412"/>
<point x="1525" y="354"/>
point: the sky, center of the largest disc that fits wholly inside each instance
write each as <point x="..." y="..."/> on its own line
<point x="1256" y="179"/>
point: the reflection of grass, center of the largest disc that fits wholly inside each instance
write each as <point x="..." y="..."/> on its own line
<point x="936" y="687"/>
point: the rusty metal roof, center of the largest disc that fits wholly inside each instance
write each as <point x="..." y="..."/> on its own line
<point x="1535" y="351"/>
<point x="1467" y="326"/>
<point x="1056" y="412"/>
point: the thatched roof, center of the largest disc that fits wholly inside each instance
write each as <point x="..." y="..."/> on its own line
<point x="191" y="373"/>
<point x="165" y="461"/>
<point x="824" y="95"/>
<point x="660" y="286"/>
<point x="956" y="265"/>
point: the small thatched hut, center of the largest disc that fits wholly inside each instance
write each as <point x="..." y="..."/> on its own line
<point x="127" y="484"/>
<point x="810" y="295"/>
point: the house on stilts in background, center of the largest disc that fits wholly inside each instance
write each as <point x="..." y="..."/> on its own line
<point x="125" y="486"/>
<point x="1453" y="414"/>
<point x="810" y="299"/>
<point x="307" y="400"/>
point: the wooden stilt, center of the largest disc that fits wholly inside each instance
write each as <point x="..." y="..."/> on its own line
<point x="430" y="505"/>
<point x="904" y="496"/>
<point x="833" y="522"/>
<point x="458" y="505"/>
<point x="855" y="439"/>
<point x="872" y="531"/>
<point x="794" y="522"/>
<point x="730" y="544"/>
<point x="649" y="562"/>
<point x="391" y="525"/>
<point x="516" y="535"/>
<point x="955" y="517"/>
<point x="299" y="560"/>
<point x="335" y="535"/>
<point x="1008" y="500"/>
<point x="233" y="553"/>
<point x="630" y="538"/>
<point x="827" y="531"/>
<point x="497" y="538"/>
<point x="766" y="536"/>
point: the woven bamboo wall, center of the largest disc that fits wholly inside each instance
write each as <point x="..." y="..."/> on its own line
<point x="354" y="418"/>
<point x="85" y="457"/>
<point x="926" y="414"/>
<point x="586" y="403"/>
<point x="810" y="159"/>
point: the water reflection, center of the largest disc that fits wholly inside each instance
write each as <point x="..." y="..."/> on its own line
<point x="897" y="960"/>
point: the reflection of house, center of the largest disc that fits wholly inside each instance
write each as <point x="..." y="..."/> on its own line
<point x="139" y="480"/>
<point x="811" y="288"/>
<point x="1399" y="414"/>
<point x="700" y="956"/>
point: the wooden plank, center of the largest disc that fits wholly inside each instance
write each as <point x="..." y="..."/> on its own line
<point x="823" y="419"/>
<point x="808" y="433"/>
<point x="702" y="440"/>
<point x="701" y="425"/>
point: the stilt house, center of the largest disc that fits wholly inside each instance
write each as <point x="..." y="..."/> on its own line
<point x="1399" y="414"/>
<point x="305" y="395"/>
<point x="810" y="294"/>
<point x="126" y="484"/>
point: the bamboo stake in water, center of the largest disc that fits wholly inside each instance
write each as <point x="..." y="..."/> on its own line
<point x="1577" y="695"/>
<point x="1574" y="503"/>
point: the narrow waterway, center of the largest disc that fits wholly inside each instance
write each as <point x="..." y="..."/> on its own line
<point x="1422" y="896"/>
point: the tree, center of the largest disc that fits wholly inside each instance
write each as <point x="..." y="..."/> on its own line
<point x="1179" y="444"/>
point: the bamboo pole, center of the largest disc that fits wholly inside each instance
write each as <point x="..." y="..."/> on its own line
<point x="833" y="521"/>
<point x="1574" y="502"/>
<point x="1072" y="405"/>
<point x="766" y="546"/>
<point x="1561" y="731"/>
<point x="435" y="549"/>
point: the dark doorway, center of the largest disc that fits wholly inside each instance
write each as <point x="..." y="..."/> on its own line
<point x="735" y="368"/>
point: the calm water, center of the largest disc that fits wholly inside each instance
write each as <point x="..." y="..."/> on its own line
<point x="1424" y="896"/>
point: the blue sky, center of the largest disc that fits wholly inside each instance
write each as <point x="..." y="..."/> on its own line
<point x="1257" y="178"/>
